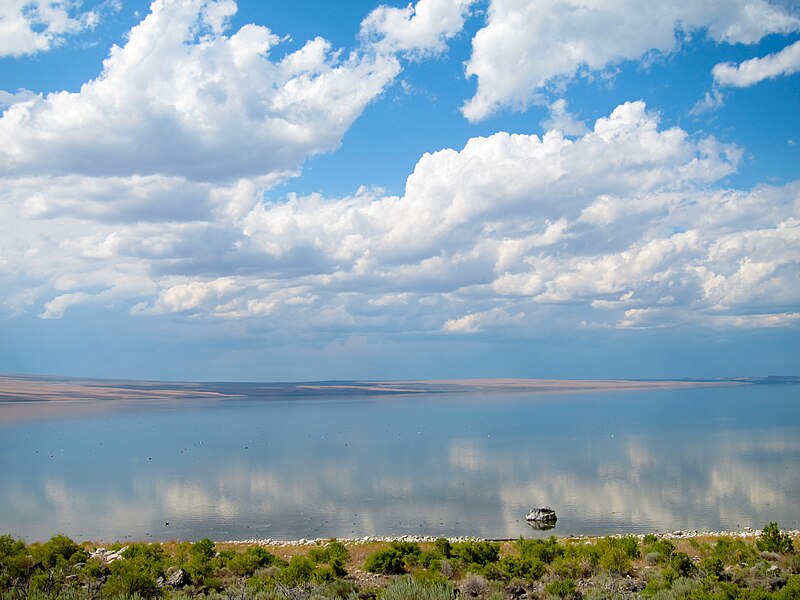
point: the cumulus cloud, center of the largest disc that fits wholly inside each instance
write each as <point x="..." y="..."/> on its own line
<point x="31" y="26"/>
<point x="562" y="120"/>
<point x="620" y="227"/>
<point x="145" y="190"/>
<point x="415" y="30"/>
<point x="528" y="46"/>
<point x="755" y="70"/>
<point x="183" y="99"/>
<point x="711" y="101"/>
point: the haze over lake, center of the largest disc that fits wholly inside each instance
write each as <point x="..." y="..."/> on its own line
<point x="354" y="464"/>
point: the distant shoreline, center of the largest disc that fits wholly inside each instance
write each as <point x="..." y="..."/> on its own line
<point x="27" y="388"/>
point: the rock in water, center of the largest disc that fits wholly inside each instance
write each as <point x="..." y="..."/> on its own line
<point x="542" y="514"/>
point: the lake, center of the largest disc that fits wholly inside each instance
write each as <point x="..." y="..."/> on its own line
<point x="436" y="464"/>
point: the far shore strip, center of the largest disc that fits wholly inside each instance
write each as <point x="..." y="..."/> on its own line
<point x="31" y="388"/>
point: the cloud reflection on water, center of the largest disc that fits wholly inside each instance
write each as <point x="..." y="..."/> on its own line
<point x="289" y="477"/>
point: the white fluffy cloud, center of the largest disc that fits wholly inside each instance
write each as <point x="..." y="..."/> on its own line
<point x="755" y="70"/>
<point x="145" y="190"/>
<point x="528" y="45"/>
<point x="619" y="228"/>
<point x="31" y="26"/>
<point x="416" y="30"/>
<point x="183" y="99"/>
<point x="616" y="228"/>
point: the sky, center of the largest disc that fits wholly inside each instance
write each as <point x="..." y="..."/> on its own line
<point x="308" y="190"/>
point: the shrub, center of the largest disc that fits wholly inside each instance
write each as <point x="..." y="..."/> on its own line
<point x="337" y="549"/>
<point x="15" y="561"/>
<point x="429" y="576"/>
<point x="132" y="576"/>
<point x="248" y="562"/>
<point x="712" y="567"/>
<point x="570" y="567"/>
<point x="408" y="588"/>
<point x="410" y="551"/>
<point x="474" y="585"/>
<point x="544" y="550"/>
<point x="340" y="588"/>
<point x="386" y="562"/>
<point x="333" y="550"/>
<point x="791" y="591"/>
<point x="149" y="553"/>
<point x="525" y="567"/>
<point x="617" y="554"/>
<point x="202" y="550"/>
<point x="297" y="572"/>
<point x="682" y="564"/>
<point x="734" y="551"/>
<point x="60" y="550"/>
<point x="431" y="558"/>
<point x="476" y="553"/>
<point x="561" y="588"/>
<point x="663" y="548"/>
<point x="323" y="574"/>
<point x="772" y="539"/>
<point x="444" y="547"/>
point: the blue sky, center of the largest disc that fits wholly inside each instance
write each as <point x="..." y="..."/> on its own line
<point x="267" y="190"/>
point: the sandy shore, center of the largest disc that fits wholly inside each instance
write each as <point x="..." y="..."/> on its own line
<point x="20" y="388"/>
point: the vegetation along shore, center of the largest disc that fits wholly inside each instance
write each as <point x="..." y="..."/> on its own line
<point x="691" y="565"/>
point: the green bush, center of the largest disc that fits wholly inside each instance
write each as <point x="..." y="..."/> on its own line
<point x="410" y="551"/>
<point x="132" y="576"/>
<point x="15" y="561"/>
<point x="332" y="550"/>
<point x="408" y="588"/>
<point x="340" y="588"/>
<point x="150" y="553"/>
<point x="682" y="564"/>
<point x="443" y="547"/>
<point x="617" y="554"/>
<point x="335" y="554"/>
<point x="572" y="567"/>
<point x="649" y="539"/>
<point x="544" y="550"/>
<point x="524" y="567"/>
<point x="323" y="574"/>
<point x="734" y="551"/>
<point x="561" y="588"/>
<point x="430" y="558"/>
<point x="248" y="562"/>
<point x="202" y="550"/>
<point x="476" y="553"/>
<point x="712" y="567"/>
<point x="772" y="539"/>
<point x="388" y="561"/>
<point x="298" y="571"/>
<point x="663" y="548"/>
<point x="791" y="591"/>
<point x="60" y="550"/>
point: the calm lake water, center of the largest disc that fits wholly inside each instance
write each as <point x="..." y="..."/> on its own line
<point x="439" y="464"/>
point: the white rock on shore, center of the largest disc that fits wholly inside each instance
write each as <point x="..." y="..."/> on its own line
<point x="747" y="532"/>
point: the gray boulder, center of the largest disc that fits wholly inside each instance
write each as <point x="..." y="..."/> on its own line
<point x="543" y="514"/>
<point x="178" y="578"/>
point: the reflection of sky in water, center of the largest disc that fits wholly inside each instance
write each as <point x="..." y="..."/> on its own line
<point x="439" y="464"/>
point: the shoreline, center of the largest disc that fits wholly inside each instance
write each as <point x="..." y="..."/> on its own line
<point x="746" y="533"/>
<point x="24" y="389"/>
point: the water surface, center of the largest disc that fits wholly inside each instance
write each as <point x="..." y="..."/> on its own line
<point x="439" y="464"/>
